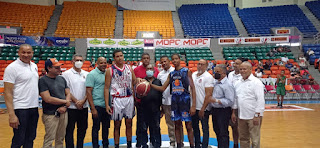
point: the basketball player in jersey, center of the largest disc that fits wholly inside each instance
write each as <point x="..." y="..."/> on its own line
<point x="120" y="79"/>
<point x="179" y="80"/>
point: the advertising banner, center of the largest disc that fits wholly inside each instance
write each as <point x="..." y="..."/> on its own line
<point x="283" y="31"/>
<point x="154" y="5"/>
<point x="114" y="43"/>
<point x="186" y="43"/>
<point x="36" y="40"/>
<point x="223" y="41"/>
<point x="254" y="40"/>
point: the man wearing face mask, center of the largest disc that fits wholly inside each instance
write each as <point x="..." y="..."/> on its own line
<point x="203" y="82"/>
<point x="140" y="72"/>
<point x="150" y="109"/>
<point x="221" y="101"/>
<point x="78" y="110"/>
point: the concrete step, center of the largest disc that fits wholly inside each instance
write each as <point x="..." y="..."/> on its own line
<point x="310" y="16"/>
<point x="119" y="25"/>
<point x="237" y="22"/>
<point x="52" y="24"/>
<point x="177" y="25"/>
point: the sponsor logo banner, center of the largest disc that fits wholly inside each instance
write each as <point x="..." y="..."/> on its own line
<point x="282" y="31"/>
<point x="36" y="40"/>
<point x="114" y="43"/>
<point x="204" y="42"/>
<point x="254" y="40"/>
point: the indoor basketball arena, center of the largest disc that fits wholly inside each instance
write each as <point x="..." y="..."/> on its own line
<point x="159" y="73"/>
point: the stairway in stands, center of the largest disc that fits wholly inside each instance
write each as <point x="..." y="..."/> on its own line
<point x="118" y="32"/>
<point x="310" y="16"/>
<point x="237" y="22"/>
<point x="177" y="25"/>
<point x="52" y="24"/>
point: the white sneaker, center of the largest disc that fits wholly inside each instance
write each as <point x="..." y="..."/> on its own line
<point x="171" y="146"/>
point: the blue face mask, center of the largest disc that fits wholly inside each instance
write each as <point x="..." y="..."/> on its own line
<point x="149" y="73"/>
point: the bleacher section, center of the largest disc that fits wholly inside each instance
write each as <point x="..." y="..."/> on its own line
<point x="32" y="18"/>
<point x="87" y="20"/>
<point x="40" y="53"/>
<point x="259" y="20"/>
<point x="253" y="53"/>
<point x="131" y="54"/>
<point x="148" y="21"/>
<point x="315" y="48"/>
<point x="314" y="8"/>
<point x="207" y="20"/>
<point x="192" y="54"/>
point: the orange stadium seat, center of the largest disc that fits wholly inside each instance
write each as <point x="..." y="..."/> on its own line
<point x="32" y="18"/>
<point x="160" y="21"/>
<point x="87" y="20"/>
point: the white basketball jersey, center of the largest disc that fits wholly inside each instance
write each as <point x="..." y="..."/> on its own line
<point x="121" y="81"/>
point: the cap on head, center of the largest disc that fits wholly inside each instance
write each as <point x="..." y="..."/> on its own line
<point x="52" y="62"/>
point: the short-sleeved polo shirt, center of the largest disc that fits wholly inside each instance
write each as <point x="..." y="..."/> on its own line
<point x="96" y="80"/>
<point x="25" y="79"/>
<point x="76" y="82"/>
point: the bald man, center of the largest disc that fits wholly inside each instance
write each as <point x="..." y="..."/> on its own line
<point x="21" y="97"/>
<point x="95" y="82"/>
<point x="250" y="103"/>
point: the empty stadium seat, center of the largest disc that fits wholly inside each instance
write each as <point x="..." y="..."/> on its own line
<point x="207" y="20"/>
<point x="259" y="20"/>
<point x="32" y="18"/>
<point x="87" y="20"/>
<point x="160" y="21"/>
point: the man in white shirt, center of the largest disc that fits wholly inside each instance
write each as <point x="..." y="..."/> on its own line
<point x="234" y="77"/>
<point x="203" y="82"/>
<point x="284" y="59"/>
<point x="78" y="110"/>
<point x="166" y="99"/>
<point x="21" y="96"/>
<point x="250" y="102"/>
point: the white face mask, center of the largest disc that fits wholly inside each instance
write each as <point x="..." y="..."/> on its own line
<point x="78" y="64"/>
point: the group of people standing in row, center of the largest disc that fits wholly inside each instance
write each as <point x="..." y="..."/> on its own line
<point x="236" y="99"/>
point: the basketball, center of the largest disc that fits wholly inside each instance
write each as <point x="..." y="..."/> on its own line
<point x="143" y="88"/>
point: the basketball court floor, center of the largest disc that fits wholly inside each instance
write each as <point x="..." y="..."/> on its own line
<point x="297" y="125"/>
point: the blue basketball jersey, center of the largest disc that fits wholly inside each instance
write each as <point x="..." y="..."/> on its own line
<point x="179" y="82"/>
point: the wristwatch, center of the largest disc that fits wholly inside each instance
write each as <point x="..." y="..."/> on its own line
<point x="256" y="115"/>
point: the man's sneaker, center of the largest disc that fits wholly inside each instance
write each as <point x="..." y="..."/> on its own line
<point x="171" y="146"/>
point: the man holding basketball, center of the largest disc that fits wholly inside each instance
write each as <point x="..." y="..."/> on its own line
<point x="121" y="79"/>
<point x="140" y="72"/>
<point x="180" y="79"/>
<point x="150" y="111"/>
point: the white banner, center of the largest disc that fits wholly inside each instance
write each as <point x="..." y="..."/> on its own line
<point x="182" y="43"/>
<point x="153" y="5"/>
<point x="114" y="43"/>
<point x="254" y="40"/>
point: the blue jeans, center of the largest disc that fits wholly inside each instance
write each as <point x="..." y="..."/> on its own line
<point x="27" y="130"/>
<point x="205" y="129"/>
<point x="104" y="118"/>
<point x="220" y="121"/>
